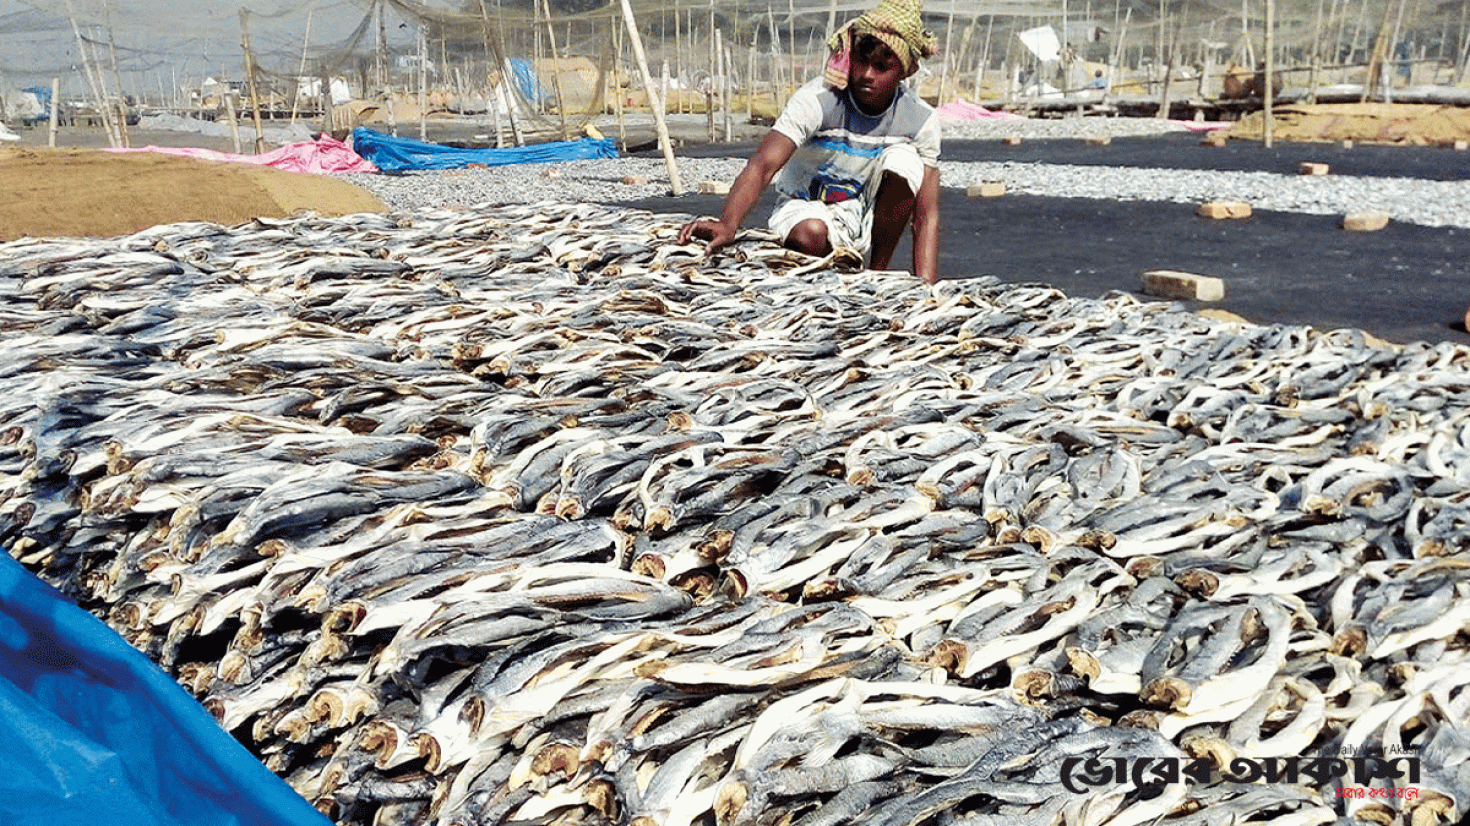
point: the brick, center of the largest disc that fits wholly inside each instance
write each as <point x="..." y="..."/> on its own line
<point x="714" y="188"/>
<point x="1309" y="168"/>
<point x="1012" y="140"/>
<point x="1225" y="209"/>
<point x="1365" y="221"/>
<point x="992" y="189"/>
<point x="634" y="180"/>
<point x="1215" y="137"/>
<point x="1185" y="285"/>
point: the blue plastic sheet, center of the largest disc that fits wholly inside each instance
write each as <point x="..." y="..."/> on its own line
<point x="526" y="81"/>
<point x="93" y="734"/>
<point x="392" y="154"/>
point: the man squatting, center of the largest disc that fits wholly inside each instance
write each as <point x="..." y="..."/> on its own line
<point x="858" y="152"/>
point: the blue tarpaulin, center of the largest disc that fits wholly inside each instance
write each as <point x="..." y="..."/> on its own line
<point x="392" y="154"/>
<point x="526" y="82"/>
<point x="93" y="733"/>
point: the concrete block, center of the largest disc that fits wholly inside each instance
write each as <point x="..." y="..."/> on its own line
<point x="1225" y="209"/>
<point x="1309" y="168"/>
<point x="1102" y="140"/>
<point x="635" y="180"/>
<point x="1365" y="221"/>
<point x="1012" y="140"/>
<point x="714" y="188"/>
<point x="992" y="189"/>
<point x="1347" y="144"/>
<point x="1185" y="285"/>
<point x="1460" y="145"/>
<point x="1215" y="137"/>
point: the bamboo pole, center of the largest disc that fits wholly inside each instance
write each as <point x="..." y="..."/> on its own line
<point x="305" y="44"/>
<point x="658" y="116"/>
<point x="122" y="102"/>
<point x="709" y="96"/>
<point x="507" y="91"/>
<point x="234" y="121"/>
<point x="728" y="59"/>
<point x="98" y="91"/>
<point x="328" y="123"/>
<point x="1117" y="64"/>
<point x="1375" y="62"/>
<point x="1268" y="85"/>
<point x="750" y="75"/>
<point x="780" y="89"/>
<point x="55" y="102"/>
<point x="944" y="65"/>
<point x="250" y="80"/>
<point x="796" y="79"/>
<point x="492" y="97"/>
<point x="1316" y="54"/>
<point x="617" y="83"/>
<point x="423" y="84"/>
<point x="561" y="103"/>
<point x="678" y="57"/>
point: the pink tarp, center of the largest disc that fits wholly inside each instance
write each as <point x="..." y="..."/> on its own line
<point x="965" y="110"/>
<point x="324" y="156"/>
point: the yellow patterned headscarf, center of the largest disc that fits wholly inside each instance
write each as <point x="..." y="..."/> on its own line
<point x="899" y="24"/>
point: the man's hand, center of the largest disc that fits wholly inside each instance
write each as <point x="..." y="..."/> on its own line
<point x="718" y="233"/>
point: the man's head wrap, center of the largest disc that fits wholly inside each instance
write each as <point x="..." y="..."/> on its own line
<point x="899" y="24"/>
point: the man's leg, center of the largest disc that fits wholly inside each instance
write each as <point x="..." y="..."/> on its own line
<point x="892" y="209"/>
<point x="810" y="237"/>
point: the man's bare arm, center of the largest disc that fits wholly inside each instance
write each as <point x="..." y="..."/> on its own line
<point x="773" y="154"/>
<point x="926" y="227"/>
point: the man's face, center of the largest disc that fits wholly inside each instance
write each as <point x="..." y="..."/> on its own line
<point x="873" y="76"/>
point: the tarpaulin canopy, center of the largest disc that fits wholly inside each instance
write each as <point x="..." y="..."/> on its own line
<point x="93" y="733"/>
<point x="396" y="154"/>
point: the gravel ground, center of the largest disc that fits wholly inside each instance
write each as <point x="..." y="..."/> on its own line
<point x="1428" y="203"/>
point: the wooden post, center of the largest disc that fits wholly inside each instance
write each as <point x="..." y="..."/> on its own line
<point x="658" y="116"/>
<point x="55" y="101"/>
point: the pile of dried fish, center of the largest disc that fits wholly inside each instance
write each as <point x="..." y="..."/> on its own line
<point x="533" y="516"/>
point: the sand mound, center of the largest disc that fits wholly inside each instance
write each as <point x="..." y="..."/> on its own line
<point x="64" y="192"/>
<point x="1412" y="124"/>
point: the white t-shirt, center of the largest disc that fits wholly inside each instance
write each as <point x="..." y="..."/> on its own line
<point x="837" y="145"/>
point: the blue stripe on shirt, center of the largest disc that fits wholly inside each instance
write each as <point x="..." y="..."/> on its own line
<point x="847" y="148"/>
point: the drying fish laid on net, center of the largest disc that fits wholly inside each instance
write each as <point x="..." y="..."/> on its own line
<point x="530" y="515"/>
